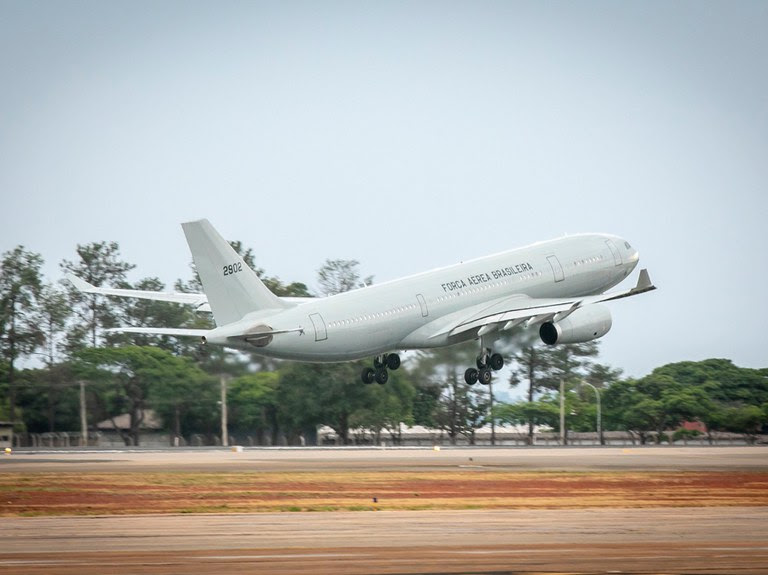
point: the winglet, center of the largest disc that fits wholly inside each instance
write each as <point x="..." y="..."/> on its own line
<point x="644" y="281"/>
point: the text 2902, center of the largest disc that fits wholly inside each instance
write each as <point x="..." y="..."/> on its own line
<point x="233" y="268"/>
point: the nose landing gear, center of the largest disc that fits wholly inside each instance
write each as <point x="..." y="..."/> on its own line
<point x="379" y="372"/>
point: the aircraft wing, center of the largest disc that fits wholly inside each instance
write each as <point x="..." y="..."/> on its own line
<point x="520" y="309"/>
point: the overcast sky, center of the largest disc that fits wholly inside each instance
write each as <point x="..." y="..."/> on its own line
<point x="406" y="135"/>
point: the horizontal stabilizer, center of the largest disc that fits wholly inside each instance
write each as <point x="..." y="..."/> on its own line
<point x="182" y="332"/>
<point x="196" y="299"/>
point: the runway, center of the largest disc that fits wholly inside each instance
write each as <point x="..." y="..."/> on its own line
<point x="643" y="458"/>
<point x="675" y="540"/>
<point x="722" y="540"/>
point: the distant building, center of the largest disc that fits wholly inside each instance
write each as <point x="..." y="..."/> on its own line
<point x="150" y="430"/>
<point x="694" y="426"/>
<point x="151" y="422"/>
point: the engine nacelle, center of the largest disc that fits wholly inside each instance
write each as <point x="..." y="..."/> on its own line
<point x="585" y="324"/>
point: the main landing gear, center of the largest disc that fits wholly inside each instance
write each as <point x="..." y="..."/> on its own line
<point x="381" y="364"/>
<point x="487" y="363"/>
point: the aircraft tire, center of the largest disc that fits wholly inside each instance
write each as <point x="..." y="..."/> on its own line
<point x="393" y="361"/>
<point x="480" y="362"/>
<point x="484" y="376"/>
<point x="496" y="362"/>
<point x="368" y="375"/>
<point x="382" y="376"/>
<point x="470" y="376"/>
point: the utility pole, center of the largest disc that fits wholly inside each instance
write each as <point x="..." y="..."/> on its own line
<point x="493" y="419"/>
<point x="83" y="417"/>
<point x="224" y="432"/>
<point x="562" y="411"/>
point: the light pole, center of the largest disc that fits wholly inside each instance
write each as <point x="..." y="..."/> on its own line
<point x="599" y="413"/>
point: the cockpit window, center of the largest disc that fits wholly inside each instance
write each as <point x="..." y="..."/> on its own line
<point x="626" y="245"/>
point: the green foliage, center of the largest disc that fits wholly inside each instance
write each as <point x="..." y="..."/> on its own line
<point x="99" y="264"/>
<point x="724" y="382"/>
<point x="338" y="276"/>
<point x="540" y="413"/>
<point x="544" y="368"/>
<point x="124" y="380"/>
<point x="49" y="399"/>
<point x="20" y="334"/>
<point x="321" y="394"/>
<point x="253" y="401"/>
<point x="389" y="406"/>
<point x="145" y="312"/>
<point x="456" y="408"/>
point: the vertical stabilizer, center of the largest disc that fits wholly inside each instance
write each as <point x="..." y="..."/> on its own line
<point x="233" y="289"/>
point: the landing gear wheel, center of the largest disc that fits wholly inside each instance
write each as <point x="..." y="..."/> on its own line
<point x="378" y="362"/>
<point x="393" y="361"/>
<point x="484" y="376"/>
<point x="496" y="362"/>
<point x="480" y="362"/>
<point x="470" y="376"/>
<point x="382" y="376"/>
<point x="368" y="375"/>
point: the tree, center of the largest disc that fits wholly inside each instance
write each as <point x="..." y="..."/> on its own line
<point x="253" y="404"/>
<point x="746" y="419"/>
<point x="654" y="403"/>
<point x="20" y="334"/>
<point x="126" y="377"/>
<point x="99" y="264"/>
<point x="337" y="276"/>
<point x="540" y="413"/>
<point x="529" y="365"/>
<point x="724" y="381"/>
<point x="52" y="315"/>
<point x="459" y="409"/>
<point x="557" y="367"/>
<point x="144" y="312"/>
<point x="47" y="399"/>
<point x="321" y="394"/>
<point x="389" y="407"/>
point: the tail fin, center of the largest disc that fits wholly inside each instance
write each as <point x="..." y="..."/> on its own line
<point x="233" y="289"/>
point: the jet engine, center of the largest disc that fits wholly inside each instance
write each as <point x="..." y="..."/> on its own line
<point x="585" y="324"/>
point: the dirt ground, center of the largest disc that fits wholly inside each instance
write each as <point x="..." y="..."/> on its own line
<point x="469" y="488"/>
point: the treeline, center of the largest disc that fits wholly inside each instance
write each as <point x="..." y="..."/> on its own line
<point x="275" y="402"/>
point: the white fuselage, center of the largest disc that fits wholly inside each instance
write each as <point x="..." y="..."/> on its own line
<point x="407" y="313"/>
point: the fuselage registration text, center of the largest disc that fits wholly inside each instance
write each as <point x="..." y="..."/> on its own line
<point x="484" y="277"/>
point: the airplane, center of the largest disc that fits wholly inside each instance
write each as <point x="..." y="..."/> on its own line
<point x="557" y="286"/>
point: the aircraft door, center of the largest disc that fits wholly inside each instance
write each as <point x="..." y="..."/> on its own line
<point x="557" y="269"/>
<point x="615" y="251"/>
<point x="422" y="305"/>
<point x="321" y="333"/>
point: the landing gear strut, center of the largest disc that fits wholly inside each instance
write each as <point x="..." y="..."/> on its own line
<point x="379" y="372"/>
<point x="487" y="363"/>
